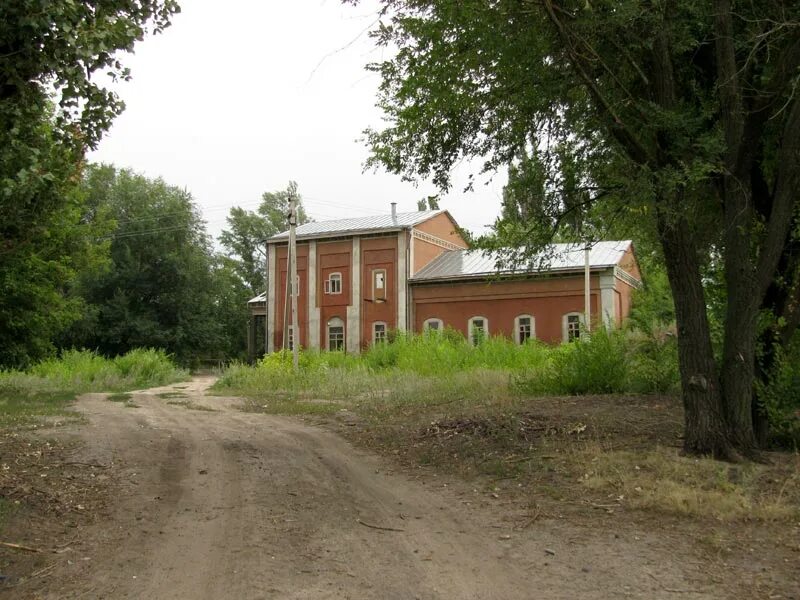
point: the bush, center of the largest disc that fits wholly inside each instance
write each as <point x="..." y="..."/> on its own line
<point x="592" y="366"/>
<point x="653" y="362"/>
<point x="781" y="398"/>
<point x="80" y="371"/>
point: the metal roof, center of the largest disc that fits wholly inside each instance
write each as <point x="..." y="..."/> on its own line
<point x="262" y="297"/>
<point x="359" y="225"/>
<point x="461" y="264"/>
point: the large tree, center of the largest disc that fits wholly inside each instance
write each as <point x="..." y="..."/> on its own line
<point x="160" y="290"/>
<point x="683" y="113"/>
<point x="54" y="59"/>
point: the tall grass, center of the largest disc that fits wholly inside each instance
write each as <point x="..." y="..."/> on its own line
<point x="79" y="371"/>
<point x="443" y="367"/>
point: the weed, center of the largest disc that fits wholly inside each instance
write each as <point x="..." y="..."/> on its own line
<point x="119" y="397"/>
<point x="49" y="387"/>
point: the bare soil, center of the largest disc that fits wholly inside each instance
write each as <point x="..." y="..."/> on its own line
<point x="175" y="494"/>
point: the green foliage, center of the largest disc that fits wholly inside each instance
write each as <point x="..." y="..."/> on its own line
<point x="81" y="371"/>
<point x="608" y="362"/>
<point x="592" y="366"/>
<point x="780" y="396"/>
<point x="48" y="387"/>
<point x="244" y="240"/>
<point x="163" y="288"/>
<point x="53" y="52"/>
<point x="680" y="120"/>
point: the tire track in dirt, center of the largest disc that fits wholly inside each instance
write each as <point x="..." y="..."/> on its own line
<point x="225" y="504"/>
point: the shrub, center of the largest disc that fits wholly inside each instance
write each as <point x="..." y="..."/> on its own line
<point x="79" y="371"/>
<point x="590" y="366"/>
<point x="653" y="362"/>
<point x="781" y="398"/>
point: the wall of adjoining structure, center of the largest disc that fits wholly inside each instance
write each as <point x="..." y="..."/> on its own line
<point x="423" y="251"/>
<point x="547" y="300"/>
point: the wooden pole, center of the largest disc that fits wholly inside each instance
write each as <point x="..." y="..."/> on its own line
<point x="293" y="274"/>
<point x="587" y="299"/>
<point x="285" y="342"/>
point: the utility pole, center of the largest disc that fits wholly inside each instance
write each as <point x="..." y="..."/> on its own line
<point x="587" y="298"/>
<point x="293" y="275"/>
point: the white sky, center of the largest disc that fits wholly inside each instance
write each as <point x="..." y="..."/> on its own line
<point x="239" y="97"/>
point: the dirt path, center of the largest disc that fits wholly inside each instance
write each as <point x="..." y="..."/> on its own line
<point x="224" y="504"/>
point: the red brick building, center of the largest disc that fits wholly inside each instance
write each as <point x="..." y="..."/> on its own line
<point x="359" y="278"/>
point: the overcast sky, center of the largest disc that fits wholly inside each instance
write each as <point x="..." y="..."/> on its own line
<point x="239" y="97"/>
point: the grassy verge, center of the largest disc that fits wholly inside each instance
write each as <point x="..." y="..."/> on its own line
<point x="483" y="416"/>
<point x="47" y="389"/>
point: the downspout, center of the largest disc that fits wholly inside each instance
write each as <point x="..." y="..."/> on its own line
<point x="408" y="277"/>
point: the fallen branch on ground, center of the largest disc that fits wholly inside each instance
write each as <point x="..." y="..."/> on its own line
<point x="378" y="526"/>
<point x="19" y="547"/>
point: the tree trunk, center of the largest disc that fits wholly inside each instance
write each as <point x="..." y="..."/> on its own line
<point x="705" y="426"/>
<point x="743" y="300"/>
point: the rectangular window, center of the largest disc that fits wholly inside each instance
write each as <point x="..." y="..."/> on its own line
<point x="573" y="328"/>
<point x="335" y="338"/>
<point x="524" y="330"/>
<point x="379" y="332"/>
<point x="333" y="285"/>
<point x="433" y="325"/>
<point x="379" y="284"/>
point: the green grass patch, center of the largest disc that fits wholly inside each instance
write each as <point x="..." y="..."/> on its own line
<point x="22" y="408"/>
<point x="48" y="388"/>
<point x="445" y="368"/>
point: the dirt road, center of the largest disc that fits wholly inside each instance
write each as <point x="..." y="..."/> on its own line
<point x="217" y="503"/>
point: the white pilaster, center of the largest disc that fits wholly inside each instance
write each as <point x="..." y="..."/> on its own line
<point x="272" y="251"/>
<point x="313" y="309"/>
<point x="402" y="281"/>
<point x="353" y="336"/>
<point x="608" y="300"/>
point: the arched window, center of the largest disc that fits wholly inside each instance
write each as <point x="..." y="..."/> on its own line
<point x="335" y="334"/>
<point x="524" y="328"/>
<point x="379" y="331"/>
<point x="571" y="326"/>
<point x="433" y="324"/>
<point x="478" y="328"/>
<point x="333" y="285"/>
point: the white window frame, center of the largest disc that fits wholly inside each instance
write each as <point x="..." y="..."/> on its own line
<point x="470" y="325"/>
<point x="426" y="325"/>
<point x="383" y="289"/>
<point x="335" y="322"/>
<point x="329" y="287"/>
<point x="565" y="325"/>
<point x="375" y="326"/>
<point x="517" y="338"/>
